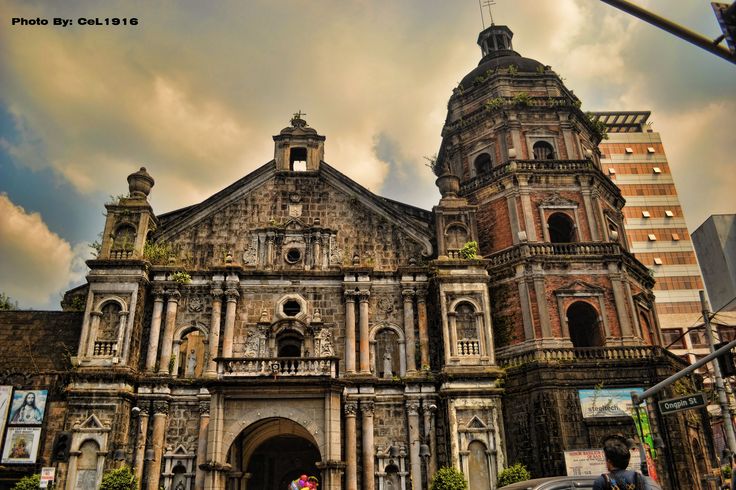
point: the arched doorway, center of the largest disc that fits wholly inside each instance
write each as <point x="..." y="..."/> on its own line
<point x="561" y="228"/>
<point x="273" y="452"/>
<point x="582" y="320"/>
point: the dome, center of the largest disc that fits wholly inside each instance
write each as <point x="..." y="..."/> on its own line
<point x="502" y="60"/>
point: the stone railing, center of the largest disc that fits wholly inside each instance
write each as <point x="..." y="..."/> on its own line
<point x="527" y="166"/>
<point x="468" y="348"/>
<point x="121" y="254"/>
<point x="104" y="348"/>
<point x="554" y="249"/>
<point x="581" y="354"/>
<point x="278" y="366"/>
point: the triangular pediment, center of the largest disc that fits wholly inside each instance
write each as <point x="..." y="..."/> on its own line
<point x="92" y="422"/>
<point x="579" y="287"/>
<point x="476" y="423"/>
<point x="557" y="201"/>
<point x="180" y="450"/>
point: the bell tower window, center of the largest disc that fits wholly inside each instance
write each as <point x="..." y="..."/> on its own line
<point x="543" y="151"/>
<point x="561" y="228"/>
<point x="482" y="164"/>
<point x="298" y="159"/>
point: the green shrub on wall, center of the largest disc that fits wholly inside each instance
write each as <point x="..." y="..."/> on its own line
<point x="515" y="473"/>
<point x="448" y="479"/>
<point x="119" y="479"/>
<point x="28" y="483"/>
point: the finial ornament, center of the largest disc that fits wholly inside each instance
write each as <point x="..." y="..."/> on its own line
<point x="297" y="120"/>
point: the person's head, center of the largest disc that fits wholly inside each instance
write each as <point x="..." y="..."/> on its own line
<point x="30" y="399"/>
<point x="616" y="450"/>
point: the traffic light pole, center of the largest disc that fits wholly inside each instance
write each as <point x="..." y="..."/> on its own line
<point x="722" y="398"/>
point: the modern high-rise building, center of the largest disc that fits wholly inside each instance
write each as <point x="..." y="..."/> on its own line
<point x="656" y="233"/>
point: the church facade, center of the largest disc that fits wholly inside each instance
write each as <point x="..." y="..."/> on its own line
<point x="295" y="323"/>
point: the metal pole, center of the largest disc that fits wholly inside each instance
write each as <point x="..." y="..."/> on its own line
<point x="725" y="415"/>
<point x="673" y="28"/>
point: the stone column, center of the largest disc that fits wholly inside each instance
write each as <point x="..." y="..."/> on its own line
<point x="160" y="415"/>
<point x="214" y="337"/>
<point x="411" y="344"/>
<point x="94" y="326"/>
<point x="204" y="423"/>
<point x="415" y="462"/>
<point x="590" y="214"/>
<point x="366" y="410"/>
<point x="351" y="447"/>
<point x="227" y="339"/>
<point x="121" y="344"/>
<point x="429" y="409"/>
<point x="423" y="331"/>
<point x="350" y="332"/>
<point x="158" y="308"/>
<point x="619" y="298"/>
<point x="540" y="293"/>
<point x="365" y="348"/>
<point x="140" y="446"/>
<point x="171" y="306"/>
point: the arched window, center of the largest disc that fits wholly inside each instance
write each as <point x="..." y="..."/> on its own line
<point x="646" y="329"/>
<point x="456" y="237"/>
<point x="584" y="326"/>
<point x="483" y="164"/>
<point x="87" y="466"/>
<point x="543" y="151"/>
<point x="191" y="355"/>
<point x="124" y="238"/>
<point x="388" y="356"/>
<point x="179" y="481"/>
<point x="561" y="228"/>
<point x="392" y="479"/>
<point x="109" y="322"/>
<point x="298" y="159"/>
<point x="290" y="344"/>
<point x="466" y="328"/>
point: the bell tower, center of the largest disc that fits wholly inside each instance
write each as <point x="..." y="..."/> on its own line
<point x="298" y="147"/>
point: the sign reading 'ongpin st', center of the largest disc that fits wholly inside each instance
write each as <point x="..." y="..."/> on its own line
<point x="695" y="400"/>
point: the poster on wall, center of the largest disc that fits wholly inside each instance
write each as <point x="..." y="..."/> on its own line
<point x="593" y="462"/>
<point x="21" y="445"/>
<point x="5" y="397"/>
<point x="28" y="407"/>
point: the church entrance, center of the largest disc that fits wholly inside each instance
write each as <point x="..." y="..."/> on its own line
<point x="272" y="453"/>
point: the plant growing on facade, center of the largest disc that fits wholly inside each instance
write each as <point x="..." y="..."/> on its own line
<point x="522" y="99"/>
<point x="118" y="479"/>
<point x="448" y="478"/>
<point x="494" y="103"/>
<point x="514" y="473"/>
<point x="513" y="70"/>
<point x="181" y="277"/>
<point x="599" y="126"/>
<point x="7" y="303"/>
<point x="469" y="250"/>
<point x="157" y="253"/>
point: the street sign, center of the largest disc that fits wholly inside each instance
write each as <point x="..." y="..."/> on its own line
<point x="695" y="400"/>
<point x="47" y="476"/>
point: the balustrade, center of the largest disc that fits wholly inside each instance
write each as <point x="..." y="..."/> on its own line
<point x="104" y="348"/>
<point x="580" y="354"/>
<point x="277" y="366"/>
<point x="468" y="347"/>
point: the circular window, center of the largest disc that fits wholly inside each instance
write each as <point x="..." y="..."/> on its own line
<point x="293" y="256"/>
<point x="292" y="308"/>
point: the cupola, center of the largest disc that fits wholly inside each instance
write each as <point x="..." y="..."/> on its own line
<point x="298" y="148"/>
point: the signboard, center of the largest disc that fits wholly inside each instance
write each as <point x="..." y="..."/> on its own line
<point x="47" y="476"/>
<point x="21" y="445"/>
<point x="584" y="462"/>
<point x="687" y="402"/>
<point x="607" y="402"/>
<point x="719" y="8"/>
<point x="5" y="397"/>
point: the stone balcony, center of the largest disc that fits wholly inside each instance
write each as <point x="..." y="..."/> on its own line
<point x="588" y="354"/>
<point x="253" y="367"/>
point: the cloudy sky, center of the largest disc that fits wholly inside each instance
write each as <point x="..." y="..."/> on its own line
<point x="196" y="90"/>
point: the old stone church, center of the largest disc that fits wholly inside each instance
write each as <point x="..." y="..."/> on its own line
<point x="296" y="323"/>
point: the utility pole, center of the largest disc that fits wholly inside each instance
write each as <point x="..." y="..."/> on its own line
<point x="722" y="398"/>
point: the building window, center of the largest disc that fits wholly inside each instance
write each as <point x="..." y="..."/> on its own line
<point x="290" y="344"/>
<point x="669" y="213"/>
<point x="657" y="261"/>
<point x="298" y="159"/>
<point x="483" y="164"/>
<point x="611" y="171"/>
<point x="697" y="338"/>
<point x="675" y="237"/>
<point x="292" y="308"/>
<point x="650" y="149"/>
<point x="629" y="150"/>
<point x="645" y="214"/>
<point x="124" y="238"/>
<point x="657" y="170"/>
<point x="726" y="334"/>
<point x="466" y="330"/>
<point x="561" y="228"/>
<point x="673" y="338"/>
<point x="652" y="237"/>
<point x="456" y="237"/>
<point x="543" y="151"/>
<point x="584" y="325"/>
<point x="293" y="255"/>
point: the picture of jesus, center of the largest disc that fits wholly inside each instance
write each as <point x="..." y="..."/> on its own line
<point x="28" y="407"/>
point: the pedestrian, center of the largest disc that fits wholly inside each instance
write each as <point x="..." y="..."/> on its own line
<point x="617" y="453"/>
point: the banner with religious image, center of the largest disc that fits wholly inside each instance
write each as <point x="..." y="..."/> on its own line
<point x="21" y="445"/>
<point x="28" y="407"/>
<point x="6" y="393"/>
